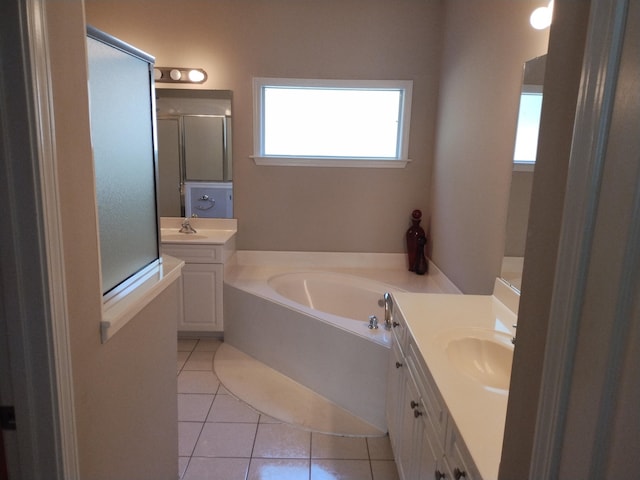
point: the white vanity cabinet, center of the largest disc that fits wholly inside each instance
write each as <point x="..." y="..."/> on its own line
<point x="201" y="286"/>
<point x="424" y="439"/>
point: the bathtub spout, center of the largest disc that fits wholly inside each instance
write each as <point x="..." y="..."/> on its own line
<point x="388" y="310"/>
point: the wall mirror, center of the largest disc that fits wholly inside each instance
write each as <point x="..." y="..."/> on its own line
<point x="523" y="165"/>
<point x="194" y="153"/>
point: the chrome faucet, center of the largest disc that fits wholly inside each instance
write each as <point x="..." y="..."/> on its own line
<point x="388" y="310"/>
<point x="186" y="227"/>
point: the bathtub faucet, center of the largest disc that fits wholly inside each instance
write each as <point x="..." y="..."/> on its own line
<point x="388" y="310"/>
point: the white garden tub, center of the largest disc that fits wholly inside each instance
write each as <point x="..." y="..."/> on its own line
<point x="307" y="314"/>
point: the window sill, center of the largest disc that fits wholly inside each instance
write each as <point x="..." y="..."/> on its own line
<point x="523" y="166"/>
<point x="329" y="162"/>
<point x="118" y="311"/>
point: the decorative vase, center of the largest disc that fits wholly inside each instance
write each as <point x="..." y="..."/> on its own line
<point x="421" y="266"/>
<point x="413" y="234"/>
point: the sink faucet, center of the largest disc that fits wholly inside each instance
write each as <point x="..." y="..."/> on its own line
<point x="186" y="227"/>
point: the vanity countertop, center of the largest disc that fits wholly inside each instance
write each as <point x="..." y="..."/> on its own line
<point x="209" y="231"/>
<point x="478" y="411"/>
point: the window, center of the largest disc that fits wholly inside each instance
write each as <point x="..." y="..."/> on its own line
<point x="528" y="126"/>
<point x="331" y="122"/>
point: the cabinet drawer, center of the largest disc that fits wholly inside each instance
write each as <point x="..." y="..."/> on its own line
<point x="194" y="253"/>
<point x="436" y="410"/>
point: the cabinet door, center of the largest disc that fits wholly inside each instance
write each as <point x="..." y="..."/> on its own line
<point x="428" y="466"/>
<point x="395" y="398"/>
<point x="410" y="439"/>
<point x="202" y="297"/>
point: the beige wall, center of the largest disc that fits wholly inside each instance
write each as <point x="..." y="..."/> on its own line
<point x="125" y="390"/>
<point x="485" y="46"/>
<point x="299" y="208"/>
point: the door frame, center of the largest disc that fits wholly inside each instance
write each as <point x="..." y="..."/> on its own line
<point x="37" y="377"/>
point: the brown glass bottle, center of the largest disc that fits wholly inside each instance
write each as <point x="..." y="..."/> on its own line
<point x="413" y="234"/>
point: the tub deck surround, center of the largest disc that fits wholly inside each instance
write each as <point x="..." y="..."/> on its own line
<point x="478" y="412"/>
<point x="249" y="269"/>
<point x="339" y="358"/>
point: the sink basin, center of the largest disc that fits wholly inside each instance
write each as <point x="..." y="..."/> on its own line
<point x="485" y="356"/>
<point x="183" y="236"/>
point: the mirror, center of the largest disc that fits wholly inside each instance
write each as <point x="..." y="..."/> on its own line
<point x="194" y="153"/>
<point x="522" y="175"/>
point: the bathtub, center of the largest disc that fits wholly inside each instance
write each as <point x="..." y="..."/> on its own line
<point x="307" y="315"/>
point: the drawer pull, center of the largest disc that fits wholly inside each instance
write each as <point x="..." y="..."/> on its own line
<point x="417" y="413"/>
<point x="458" y="474"/>
<point x="398" y="364"/>
<point x="395" y="324"/>
<point x="414" y="404"/>
<point x="439" y="475"/>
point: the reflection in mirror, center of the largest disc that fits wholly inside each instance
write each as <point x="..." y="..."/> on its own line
<point x="522" y="175"/>
<point x="528" y="124"/>
<point x="194" y="153"/>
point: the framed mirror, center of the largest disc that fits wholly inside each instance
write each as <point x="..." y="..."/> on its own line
<point x="194" y="153"/>
<point x="523" y="166"/>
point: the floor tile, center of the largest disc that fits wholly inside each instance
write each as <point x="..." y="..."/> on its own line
<point x="197" y="381"/>
<point x="186" y="344"/>
<point x="384" y="470"/>
<point x="227" y="408"/>
<point x="217" y="469"/>
<point x="182" y="465"/>
<point x="182" y="359"/>
<point x="188" y="433"/>
<point x="380" y="448"/>
<point x="193" y="407"/>
<point x="279" y="440"/>
<point x="267" y="419"/>
<point x="208" y="345"/>
<point x="226" y="440"/>
<point x="200" y="361"/>
<point x="333" y="446"/>
<point x="340" y="470"/>
<point x="278" y="469"/>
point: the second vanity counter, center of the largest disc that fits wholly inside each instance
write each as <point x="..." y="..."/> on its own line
<point x="451" y="333"/>
<point x="209" y="231"/>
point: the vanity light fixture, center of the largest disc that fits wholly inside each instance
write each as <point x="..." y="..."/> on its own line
<point x="541" y="17"/>
<point x="179" y="75"/>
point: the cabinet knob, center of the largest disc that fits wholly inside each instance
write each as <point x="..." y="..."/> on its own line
<point x="458" y="474"/>
<point x="398" y="364"/>
<point x="439" y="475"/>
<point x="414" y="404"/>
<point x="417" y="413"/>
<point x="395" y="324"/>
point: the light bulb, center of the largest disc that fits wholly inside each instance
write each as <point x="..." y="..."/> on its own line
<point x="196" y="75"/>
<point x="540" y="18"/>
<point x="175" y="74"/>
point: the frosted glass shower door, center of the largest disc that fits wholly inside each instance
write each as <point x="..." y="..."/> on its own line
<point x="122" y="134"/>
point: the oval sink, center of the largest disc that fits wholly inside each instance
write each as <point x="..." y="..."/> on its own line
<point x="485" y="358"/>
<point x="183" y="236"/>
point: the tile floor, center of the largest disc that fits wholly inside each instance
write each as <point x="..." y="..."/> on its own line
<point x="222" y="438"/>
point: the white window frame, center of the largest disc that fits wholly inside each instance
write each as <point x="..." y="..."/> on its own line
<point x="401" y="160"/>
